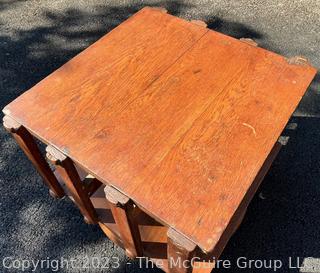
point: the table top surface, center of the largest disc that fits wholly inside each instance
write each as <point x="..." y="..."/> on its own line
<point x="176" y="116"/>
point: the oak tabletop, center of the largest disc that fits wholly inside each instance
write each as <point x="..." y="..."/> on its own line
<point x="178" y="117"/>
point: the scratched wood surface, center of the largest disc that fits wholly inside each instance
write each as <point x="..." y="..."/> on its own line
<point x="178" y="117"/>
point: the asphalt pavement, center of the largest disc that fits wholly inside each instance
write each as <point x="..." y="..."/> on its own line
<point x="283" y="220"/>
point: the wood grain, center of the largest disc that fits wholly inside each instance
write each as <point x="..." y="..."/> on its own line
<point x="123" y="213"/>
<point x="180" y="253"/>
<point x="177" y="117"/>
<point x="70" y="176"/>
<point x="103" y="79"/>
<point x="28" y="144"/>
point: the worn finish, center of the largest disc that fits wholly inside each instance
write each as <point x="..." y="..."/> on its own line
<point x="249" y="41"/>
<point x="123" y="213"/>
<point x="238" y="216"/>
<point x="180" y="253"/>
<point x="187" y="114"/>
<point x="125" y="63"/>
<point x="70" y="176"/>
<point x="30" y="148"/>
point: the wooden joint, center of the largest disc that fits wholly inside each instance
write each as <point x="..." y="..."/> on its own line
<point x="28" y="144"/>
<point x="92" y="186"/>
<point x="283" y="140"/>
<point x="123" y="213"/>
<point x="181" y="241"/>
<point x="249" y="41"/>
<point x="298" y="60"/>
<point x="199" y="23"/>
<point x="69" y="173"/>
<point x="180" y="252"/>
<point x="161" y="9"/>
<point x="10" y="124"/>
<point x="54" y="155"/>
<point x="116" y="197"/>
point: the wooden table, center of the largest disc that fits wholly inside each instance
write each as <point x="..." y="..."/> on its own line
<point x="180" y="122"/>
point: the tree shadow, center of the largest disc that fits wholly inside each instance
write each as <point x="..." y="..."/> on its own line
<point x="282" y="223"/>
<point x="37" y="52"/>
<point x="33" y="225"/>
<point x="234" y="29"/>
<point x="6" y="4"/>
<point x="309" y="105"/>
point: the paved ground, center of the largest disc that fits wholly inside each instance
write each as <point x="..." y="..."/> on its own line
<point x="37" y="37"/>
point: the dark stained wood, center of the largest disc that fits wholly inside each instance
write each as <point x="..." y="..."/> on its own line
<point x="30" y="148"/>
<point x="153" y="235"/>
<point x="69" y="174"/>
<point x="123" y="213"/>
<point x="180" y="253"/>
<point x="92" y="185"/>
<point x="178" y="117"/>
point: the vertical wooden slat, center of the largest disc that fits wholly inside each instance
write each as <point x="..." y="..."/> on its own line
<point x="180" y="252"/>
<point x="30" y="148"/>
<point x="123" y="213"/>
<point x="70" y="176"/>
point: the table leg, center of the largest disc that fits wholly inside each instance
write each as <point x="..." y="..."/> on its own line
<point x="30" y="148"/>
<point x="180" y="252"/>
<point x="123" y="213"/>
<point x="70" y="176"/>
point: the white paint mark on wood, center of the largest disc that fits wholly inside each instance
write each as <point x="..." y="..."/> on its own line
<point x="251" y="127"/>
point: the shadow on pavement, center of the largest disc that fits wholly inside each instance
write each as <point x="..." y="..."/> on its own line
<point x="284" y="223"/>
